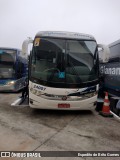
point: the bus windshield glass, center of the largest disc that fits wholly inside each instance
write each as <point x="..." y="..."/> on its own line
<point x="7" y="59"/>
<point x="63" y="62"/>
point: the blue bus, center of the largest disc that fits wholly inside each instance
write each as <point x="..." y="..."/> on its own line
<point x="111" y="70"/>
<point x="13" y="69"/>
<point x="110" y="73"/>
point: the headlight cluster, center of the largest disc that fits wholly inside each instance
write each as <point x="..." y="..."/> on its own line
<point x="36" y="92"/>
<point x="10" y="83"/>
<point x="91" y="94"/>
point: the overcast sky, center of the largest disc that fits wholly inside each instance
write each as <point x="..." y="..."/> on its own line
<point x="20" y="19"/>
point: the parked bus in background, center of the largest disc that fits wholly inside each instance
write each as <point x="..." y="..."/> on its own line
<point x="111" y="70"/>
<point x="63" y="70"/>
<point x="13" y="69"/>
<point x="111" y="75"/>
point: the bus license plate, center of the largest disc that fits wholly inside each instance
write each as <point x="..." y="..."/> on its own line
<point x="63" y="105"/>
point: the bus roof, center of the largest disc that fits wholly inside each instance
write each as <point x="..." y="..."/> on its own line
<point x="66" y="35"/>
<point x="114" y="43"/>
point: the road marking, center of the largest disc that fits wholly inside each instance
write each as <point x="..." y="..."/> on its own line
<point x="115" y="115"/>
<point x="17" y="102"/>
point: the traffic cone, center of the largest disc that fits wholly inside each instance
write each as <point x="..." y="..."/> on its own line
<point x="106" y="108"/>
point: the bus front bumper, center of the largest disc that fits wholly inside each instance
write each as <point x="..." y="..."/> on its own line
<point x="42" y="103"/>
<point x="6" y="88"/>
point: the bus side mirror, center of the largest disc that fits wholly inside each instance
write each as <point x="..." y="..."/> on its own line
<point x="25" y="46"/>
<point x="105" y="51"/>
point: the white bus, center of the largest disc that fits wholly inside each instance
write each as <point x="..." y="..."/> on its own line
<point x="63" y="70"/>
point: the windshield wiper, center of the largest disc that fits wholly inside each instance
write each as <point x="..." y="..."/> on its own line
<point x="53" y="73"/>
<point x="73" y="67"/>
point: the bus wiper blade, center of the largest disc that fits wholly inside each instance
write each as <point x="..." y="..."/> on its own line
<point x="75" y="70"/>
<point x="53" y="73"/>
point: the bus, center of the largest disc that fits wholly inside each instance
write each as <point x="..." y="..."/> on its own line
<point x="13" y="69"/>
<point x="110" y="72"/>
<point x="63" y="70"/>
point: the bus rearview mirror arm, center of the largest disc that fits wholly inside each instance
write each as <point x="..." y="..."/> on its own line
<point x="106" y="52"/>
<point x="25" y="46"/>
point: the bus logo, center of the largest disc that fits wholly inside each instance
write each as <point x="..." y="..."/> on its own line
<point x="64" y="98"/>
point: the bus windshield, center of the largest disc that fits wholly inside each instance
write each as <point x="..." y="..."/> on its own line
<point x="64" y="63"/>
<point x="7" y="58"/>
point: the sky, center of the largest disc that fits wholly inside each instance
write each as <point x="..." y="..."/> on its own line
<point x="20" y="19"/>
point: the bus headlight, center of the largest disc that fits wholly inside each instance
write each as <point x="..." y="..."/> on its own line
<point x="91" y="94"/>
<point x="36" y="92"/>
<point x="10" y="83"/>
<point x="31" y="89"/>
